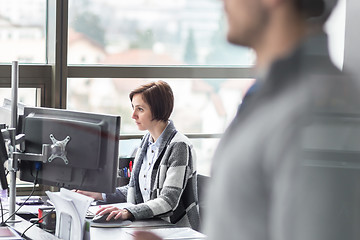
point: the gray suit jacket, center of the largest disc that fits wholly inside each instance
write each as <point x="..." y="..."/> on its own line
<point x="290" y="163"/>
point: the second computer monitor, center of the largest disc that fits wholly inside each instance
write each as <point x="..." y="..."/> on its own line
<point x="84" y="148"/>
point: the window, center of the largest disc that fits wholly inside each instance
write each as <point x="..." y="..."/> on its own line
<point x="335" y="28"/>
<point x="22" y="31"/>
<point x="26" y="96"/>
<point x="201" y="106"/>
<point x="160" y="37"/>
<point x="156" y="32"/>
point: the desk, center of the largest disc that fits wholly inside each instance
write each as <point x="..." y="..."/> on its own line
<point x="163" y="229"/>
<point x="21" y="224"/>
<point x="34" y="232"/>
<point x="158" y="226"/>
<point x="97" y="233"/>
<point x="125" y="233"/>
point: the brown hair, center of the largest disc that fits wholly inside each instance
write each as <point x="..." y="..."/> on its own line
<point x="160" y="98"/>
<point x="319" y="10"/>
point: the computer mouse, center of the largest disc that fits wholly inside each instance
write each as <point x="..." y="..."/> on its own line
<point x="102" y="218"/>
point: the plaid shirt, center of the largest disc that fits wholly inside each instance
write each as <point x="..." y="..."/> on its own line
<point x="173" y="194"/>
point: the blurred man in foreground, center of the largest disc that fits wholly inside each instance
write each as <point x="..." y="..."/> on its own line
<point x="288" y="168"/>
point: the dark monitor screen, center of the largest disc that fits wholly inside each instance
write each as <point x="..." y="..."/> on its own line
<point x="91" y="146"/>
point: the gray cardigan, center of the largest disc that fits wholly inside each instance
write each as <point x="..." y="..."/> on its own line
<point x="173" y="194"/>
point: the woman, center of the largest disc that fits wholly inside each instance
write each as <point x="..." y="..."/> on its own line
<point x="163" y="181"/>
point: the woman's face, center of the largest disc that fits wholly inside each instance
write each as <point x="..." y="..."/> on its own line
<point x="141" y="113"/>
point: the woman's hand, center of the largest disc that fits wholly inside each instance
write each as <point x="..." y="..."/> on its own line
<point x="115" y="213"/>
<point x="94" y="195"/>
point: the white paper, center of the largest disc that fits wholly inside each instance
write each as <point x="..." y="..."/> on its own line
<point x="71" y="209"/>
<point x="80" y="201"/>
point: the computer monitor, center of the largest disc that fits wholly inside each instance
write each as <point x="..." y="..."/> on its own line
<point x="3" y="158"/>
<point x="90" y="141"/>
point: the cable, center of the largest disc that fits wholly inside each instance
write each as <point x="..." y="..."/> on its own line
<point x="2" y="214"/>
<point x="37" y="221"/>
<point x="32" y="192"/>
<point x="82" y="181"/>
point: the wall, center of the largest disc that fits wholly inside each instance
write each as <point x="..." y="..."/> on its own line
<point x="352" y="37"/>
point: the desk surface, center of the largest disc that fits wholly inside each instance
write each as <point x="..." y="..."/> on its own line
<point x="33" y="233"/>
<point x="21" y="224"/>
<point x="124" y="233"/>
<point x="159" y="227"/>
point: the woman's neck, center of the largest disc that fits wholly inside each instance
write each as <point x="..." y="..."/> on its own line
<point x="157" y="129"/>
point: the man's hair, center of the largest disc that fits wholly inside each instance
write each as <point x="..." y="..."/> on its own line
<point x="317" y="10"/>
<point x="160" y="98"/>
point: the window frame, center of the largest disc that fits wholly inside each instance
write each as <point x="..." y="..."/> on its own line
<point x="30" y="76"/>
